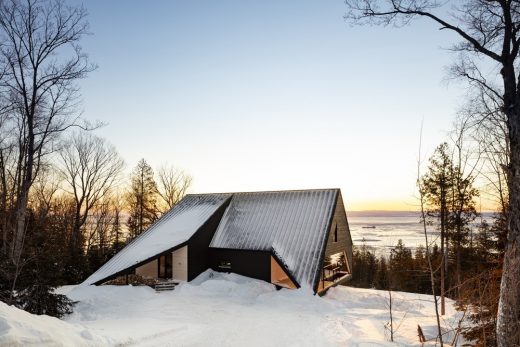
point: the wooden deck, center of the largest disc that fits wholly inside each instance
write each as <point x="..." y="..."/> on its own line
<point x="326" y="284"/>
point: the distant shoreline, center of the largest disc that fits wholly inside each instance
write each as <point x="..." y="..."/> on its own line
<point x="391" y="213"/>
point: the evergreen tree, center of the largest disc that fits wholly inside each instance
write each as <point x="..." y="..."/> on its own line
<point x="117" y="232"/>
<point x="437" y="184"/>
<point x="461" y="214"/>
<point x="481" y="289"/>
<point x="400" y="267"/>
<point x="45" y="259"/>
<point x="142" y="199"/>
<point x="364" y="268"/>
<point x="381" y="280"/>
<point x="421" y="271"/>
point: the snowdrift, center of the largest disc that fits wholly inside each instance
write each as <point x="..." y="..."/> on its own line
<point x="19" y="328"/>
<point x="224" y="310"/>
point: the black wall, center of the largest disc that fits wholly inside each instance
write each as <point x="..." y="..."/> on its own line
<point x="198" y="259"/>
<point x="255" y="264"/>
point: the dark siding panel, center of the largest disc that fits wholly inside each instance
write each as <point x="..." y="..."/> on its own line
<point x="198" y="260"/>
<point x="255" y="264"/>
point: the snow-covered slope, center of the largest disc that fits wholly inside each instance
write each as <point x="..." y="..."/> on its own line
<point x="19" y="328"/>
<point x="224" y="310"/>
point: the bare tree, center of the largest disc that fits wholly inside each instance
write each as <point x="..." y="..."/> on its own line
<point x="466" y="165"/>
<point x="6" y="194"/>
<point x="45" y="188"/>
<point x="489" y="32"/>
<point x="90" y="167"/>
<point x="99" y="225"/>
<point x="42" y="60"/>
<point x="487" y="127"/>
<point x="173" y="184"/>
<point x="428" y="252"/>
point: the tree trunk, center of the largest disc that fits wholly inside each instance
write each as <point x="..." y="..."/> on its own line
<point x="435" y="301"/>
<point x="459" y="253"/>
<point x="19" y="227"/>
<point x="3" y="205"/>
<point x="508" y="327"/>
<point x="443" y="285"/>
<point x="391" y="316"/>
<point x="444" y="267"/>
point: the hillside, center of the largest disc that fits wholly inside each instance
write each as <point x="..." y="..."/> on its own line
<point x="223" y="310"/>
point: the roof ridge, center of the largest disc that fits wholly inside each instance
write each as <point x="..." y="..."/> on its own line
<point x="270" y="191"/>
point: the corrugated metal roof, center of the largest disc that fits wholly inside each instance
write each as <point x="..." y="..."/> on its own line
<point x="293" y="224"/>
<point x="175" y="227"/>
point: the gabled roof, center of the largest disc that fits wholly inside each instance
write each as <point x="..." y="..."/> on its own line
<point x="292" y="224"/>
<point x="175" y="228"/>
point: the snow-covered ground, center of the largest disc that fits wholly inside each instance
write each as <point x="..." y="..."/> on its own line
<point x="224" y="310"/>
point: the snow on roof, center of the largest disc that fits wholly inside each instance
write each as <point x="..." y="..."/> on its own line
<point x="174" y="228"/>
<point x="293" y="224"/>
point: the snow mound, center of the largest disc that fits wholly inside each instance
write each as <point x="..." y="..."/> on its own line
<point x="20" y="328"/>
<point x="230" y="285"/>
<point x="219" y="309"/>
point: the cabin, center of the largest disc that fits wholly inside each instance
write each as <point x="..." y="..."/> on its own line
<point x="292" y="239"/>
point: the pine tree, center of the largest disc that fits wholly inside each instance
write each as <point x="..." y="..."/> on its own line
<point x="421" y="271"/>
<point x="142" y="199"/>
<point x="365" y="267"/>
<point x="401" y="264"/>
<point x="462" y="213"/>
<point x="117" y="232"/>
<point x="381" y="280"/>
<point x="437" y="185"/>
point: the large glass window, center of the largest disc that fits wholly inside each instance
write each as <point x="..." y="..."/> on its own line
<point x="335" y="266"/>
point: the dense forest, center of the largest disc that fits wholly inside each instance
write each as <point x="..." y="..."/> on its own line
<point x="82" y="210"/>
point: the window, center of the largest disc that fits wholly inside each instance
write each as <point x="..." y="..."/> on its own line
<point x="165" y="266"/>
<point x="335" y="266"/>
<point x="225" y="264"/>
<point x="336" y="233"/>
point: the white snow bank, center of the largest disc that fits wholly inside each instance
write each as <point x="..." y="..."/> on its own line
<point x="19" y="328"/>
<point x="230" y="310"/>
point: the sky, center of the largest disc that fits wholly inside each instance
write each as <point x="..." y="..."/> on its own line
<point x="269" y="95"/>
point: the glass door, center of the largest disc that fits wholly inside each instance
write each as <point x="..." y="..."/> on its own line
<point x="165" y="266"/>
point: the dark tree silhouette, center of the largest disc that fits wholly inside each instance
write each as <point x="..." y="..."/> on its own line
<point x="40" y="63"/>
<point x="90" y="167"/>
<point x="142" y="199"/>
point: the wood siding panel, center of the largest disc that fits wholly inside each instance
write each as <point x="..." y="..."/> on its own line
<point x="180" y="264"/>
<point x="279" y="277"/>
<point x="344" y="243"/>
